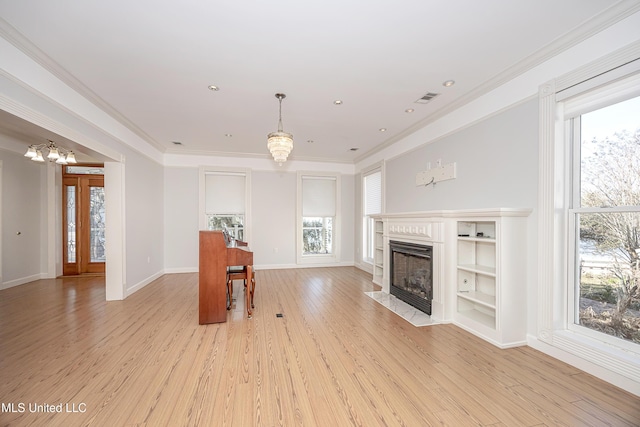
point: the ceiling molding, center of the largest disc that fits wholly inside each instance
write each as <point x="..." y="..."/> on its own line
<point x="25" y="113"/>
<point x="9" y="33"/>
<point x="265" y="156"/>
<point x="609" y="17"/>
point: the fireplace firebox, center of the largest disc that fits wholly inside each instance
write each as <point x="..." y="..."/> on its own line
<point x="412" y="274"/>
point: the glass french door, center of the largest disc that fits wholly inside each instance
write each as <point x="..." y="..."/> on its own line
<point x="83" y="225"/>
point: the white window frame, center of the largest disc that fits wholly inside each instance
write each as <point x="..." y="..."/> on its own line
<point x="203" y="171"/>
<point x="318" y="259"/>
<point x="591" y="101"/>
<point x="366" y="219"/>
<point x="556" y="272"/>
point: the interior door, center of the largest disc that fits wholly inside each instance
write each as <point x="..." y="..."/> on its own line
<point x="83" y="224"/>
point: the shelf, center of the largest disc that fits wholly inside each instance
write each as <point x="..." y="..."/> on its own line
<point x="477" y="239"/>
<point x="480" y="317"/>
<point x="480" y="269"/>
<point x="479" y="298"/>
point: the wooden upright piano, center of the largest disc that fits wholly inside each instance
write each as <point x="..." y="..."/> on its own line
<point x="215" y="257"/>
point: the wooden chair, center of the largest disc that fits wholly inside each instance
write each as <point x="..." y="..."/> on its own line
<point x="240" y="273"/>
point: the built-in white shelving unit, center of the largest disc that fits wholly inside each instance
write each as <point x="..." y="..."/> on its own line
<point x="491" y="278"/>
<point x="476" y="284"/>
<point x="378" y="254"/>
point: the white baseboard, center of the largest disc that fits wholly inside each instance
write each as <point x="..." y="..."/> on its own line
<point x="180" y="270"/>
<point x="22" y="281"/>
<point x="591" y="368"/>
<point x="130" y="291"/>
<point x="291" y="266"/>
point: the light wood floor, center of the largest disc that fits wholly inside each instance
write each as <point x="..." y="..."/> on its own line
<point x="336" y="358"/>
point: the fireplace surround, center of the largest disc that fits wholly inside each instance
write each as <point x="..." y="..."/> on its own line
<point x="411" y="273"/>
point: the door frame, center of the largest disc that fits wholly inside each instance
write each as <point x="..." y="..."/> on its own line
<point x="82" y="183"/>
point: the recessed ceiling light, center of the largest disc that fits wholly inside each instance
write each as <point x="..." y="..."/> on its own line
<point x="382" y="129"/>
<point x="310" y="141"/>
<point x="448" y="83"/>
<point x="228" y="135"/>
<point x="213" y="87"/>
<point x="337" y="102"/>
<point x="409" y="110"/>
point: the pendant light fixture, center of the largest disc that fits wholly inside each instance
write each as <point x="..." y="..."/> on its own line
<point x="280" y="143"/>
<point x="56" y="154"/>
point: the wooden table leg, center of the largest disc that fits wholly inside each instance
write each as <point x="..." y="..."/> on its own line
<point x="247" y="292"/>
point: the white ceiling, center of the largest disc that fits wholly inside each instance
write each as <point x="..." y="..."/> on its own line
<point x="149" y="63"/>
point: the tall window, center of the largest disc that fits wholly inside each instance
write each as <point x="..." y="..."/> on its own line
<point x="318" y="215"/>
<point x="225" y="202"/>
<point x="371" y="205"/>
<point x="605" y="214"/>
<point x="582" y="265"/>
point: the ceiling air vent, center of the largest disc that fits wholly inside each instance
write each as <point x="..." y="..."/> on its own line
<point x="427" y="97"/>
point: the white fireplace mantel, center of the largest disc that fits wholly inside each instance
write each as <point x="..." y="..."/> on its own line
<point x="439" y="229"/>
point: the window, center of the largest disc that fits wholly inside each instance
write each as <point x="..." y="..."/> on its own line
<point x="318" y="218"/>
<point x="225" y="202"/>
<point x="605" y="218"/>
<point x="572" y="223"/>
<point x="372" y="204"/>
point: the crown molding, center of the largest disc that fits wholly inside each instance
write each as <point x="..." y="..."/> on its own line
<point x="609" y="17"/>
<point x="13" y="36"/>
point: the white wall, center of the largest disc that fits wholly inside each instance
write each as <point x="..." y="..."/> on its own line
<point x="21" y="213"/>
<point x="29" y="91"/>
<point x="144" y="211"/>
<point x="489" y="179"/>
<point x="273" y="219"/>
<point x="348" y="203"/>
<point x="496" y="164"/>
<point x="180" y="219"/>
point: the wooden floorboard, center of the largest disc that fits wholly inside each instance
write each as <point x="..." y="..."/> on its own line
<point x="335" y="358"/>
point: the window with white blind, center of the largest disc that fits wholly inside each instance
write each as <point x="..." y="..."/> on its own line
<point x="371" y="205"/>
<point x="225" y="201"/>
<point x="318" y="217"/>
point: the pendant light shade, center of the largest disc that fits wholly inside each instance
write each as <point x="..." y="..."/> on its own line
<point x="56" y="154"/>
<point x="280" y="143"/>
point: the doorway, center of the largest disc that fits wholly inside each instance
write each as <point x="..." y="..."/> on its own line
<point x="83" y="219"/>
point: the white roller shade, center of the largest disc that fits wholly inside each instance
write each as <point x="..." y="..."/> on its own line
<point x="225" y="193"/>
<point x="318" y="196"/>
<point x="373" y="193"/>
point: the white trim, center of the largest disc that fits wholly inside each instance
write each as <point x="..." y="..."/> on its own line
<point x="28" y="114"/>
<point x="135" y="288"/>
<point x="52" y="221"/>
<point x="259" y="267"/>
<point x="202" y="214"/>
<point x="21" y="281"/>
<point x="552" y="335"/>
<point x="322" y="259"/>
<point x="179" y="270"/>
<point x="115" y="233"/>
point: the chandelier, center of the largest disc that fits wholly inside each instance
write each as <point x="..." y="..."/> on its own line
<point x="56" y="154"/>
<point x="280" y="143"/>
